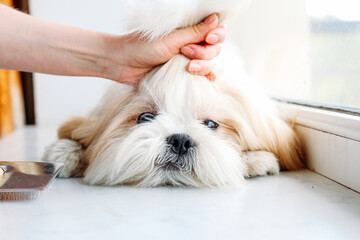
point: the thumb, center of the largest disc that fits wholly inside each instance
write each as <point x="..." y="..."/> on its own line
<point x="196" y="33"/>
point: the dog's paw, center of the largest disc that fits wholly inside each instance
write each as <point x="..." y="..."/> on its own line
<point x="260" y="163"/>
<point x="64" y="151"/>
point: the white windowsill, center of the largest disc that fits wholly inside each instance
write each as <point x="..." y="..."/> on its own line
<point x="331" y="142"/>
<point x="341" y="124"/>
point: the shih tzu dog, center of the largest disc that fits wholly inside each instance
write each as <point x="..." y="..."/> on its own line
<point x="176" y="128"/>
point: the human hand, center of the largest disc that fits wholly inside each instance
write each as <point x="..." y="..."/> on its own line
<point x="138" y="56"/>
<point x="55" y="48"/>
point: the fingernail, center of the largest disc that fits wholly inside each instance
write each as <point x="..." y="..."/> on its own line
<point x="187" y="51"/>
<point x="212" y="38"/>
<point x="210" y="19"/>
<point x="194" y="67"/>
<point x="211" y="76"/>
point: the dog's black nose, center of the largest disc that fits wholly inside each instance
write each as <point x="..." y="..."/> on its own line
<point x="180" y="143"/>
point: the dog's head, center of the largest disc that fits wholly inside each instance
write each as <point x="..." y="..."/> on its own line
<point x="175" y="129"/>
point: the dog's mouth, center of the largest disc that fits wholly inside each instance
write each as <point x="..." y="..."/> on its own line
<point x="170" y="167"/>
<point x="172" y="163"/>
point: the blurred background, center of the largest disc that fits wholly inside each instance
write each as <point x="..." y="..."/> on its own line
<point x="303" y="50"/>
<point x="299" y="50"/>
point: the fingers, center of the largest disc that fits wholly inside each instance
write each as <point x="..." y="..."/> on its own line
<point x="207" y="51"/>
<point x="201" y="67"/>
<point x="188" y="40"/>
<point x="196" y="33"/>
<point x="204" y="52"/>
<point x="216" y="35"/>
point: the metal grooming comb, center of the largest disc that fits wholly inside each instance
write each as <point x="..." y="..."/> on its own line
<point x="25" y="180"/>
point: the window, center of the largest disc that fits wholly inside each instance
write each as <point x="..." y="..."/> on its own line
<point x="335" y="51"/>
<point x="307" y="50"/>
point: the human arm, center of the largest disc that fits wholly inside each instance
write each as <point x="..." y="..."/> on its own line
<point x="35" y="45"/>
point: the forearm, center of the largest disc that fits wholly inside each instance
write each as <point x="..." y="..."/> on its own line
<point x="35" y="45"/>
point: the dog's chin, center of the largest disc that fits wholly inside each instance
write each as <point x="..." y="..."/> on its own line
<point x="170" y="167"/>
<point x="170" y="175"/>
<point x="176" y="170"/>
<point x="174" y="162"/>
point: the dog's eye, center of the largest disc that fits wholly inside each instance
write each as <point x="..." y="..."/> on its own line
<point x="211" y="124"/>
<point x="145" y="117"/>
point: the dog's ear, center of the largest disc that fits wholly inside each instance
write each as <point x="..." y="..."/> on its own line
<point x="283" y="142"/>
<point x="79" y="129"/>
<point x="255" y="128"/>
<point x="66" y="129"/>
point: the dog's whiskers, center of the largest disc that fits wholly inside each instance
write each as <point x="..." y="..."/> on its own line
<point x="168" y="160"/>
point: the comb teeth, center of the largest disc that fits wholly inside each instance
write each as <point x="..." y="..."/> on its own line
<point x="25" y="180"/>
<point x="18" y="195"/>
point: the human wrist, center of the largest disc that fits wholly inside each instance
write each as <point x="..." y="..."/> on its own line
<point x="110" y="58"/>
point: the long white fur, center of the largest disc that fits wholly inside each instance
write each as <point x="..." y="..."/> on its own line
<point x="182" y="101"/>
<point x="64" y="151"/>
<point x="157" y="18"/>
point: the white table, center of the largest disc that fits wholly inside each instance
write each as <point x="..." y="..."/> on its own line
<point x="292" y="205"/>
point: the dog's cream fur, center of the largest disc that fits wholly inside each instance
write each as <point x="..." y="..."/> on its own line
<point x="109" y="147"/>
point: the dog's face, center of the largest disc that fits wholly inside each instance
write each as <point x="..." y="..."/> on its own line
<point x="177" y="129"/>
<point x="173" y="130"/>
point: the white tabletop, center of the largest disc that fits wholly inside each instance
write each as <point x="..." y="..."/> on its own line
<point x="292" y="205"/>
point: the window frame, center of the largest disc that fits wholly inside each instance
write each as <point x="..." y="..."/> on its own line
<point x="330" y="141"/>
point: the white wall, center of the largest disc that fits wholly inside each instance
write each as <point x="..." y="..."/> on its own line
<point x="271" y="34"/>
<point x="57" y="98"/>
<point x="273" y="38"/>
